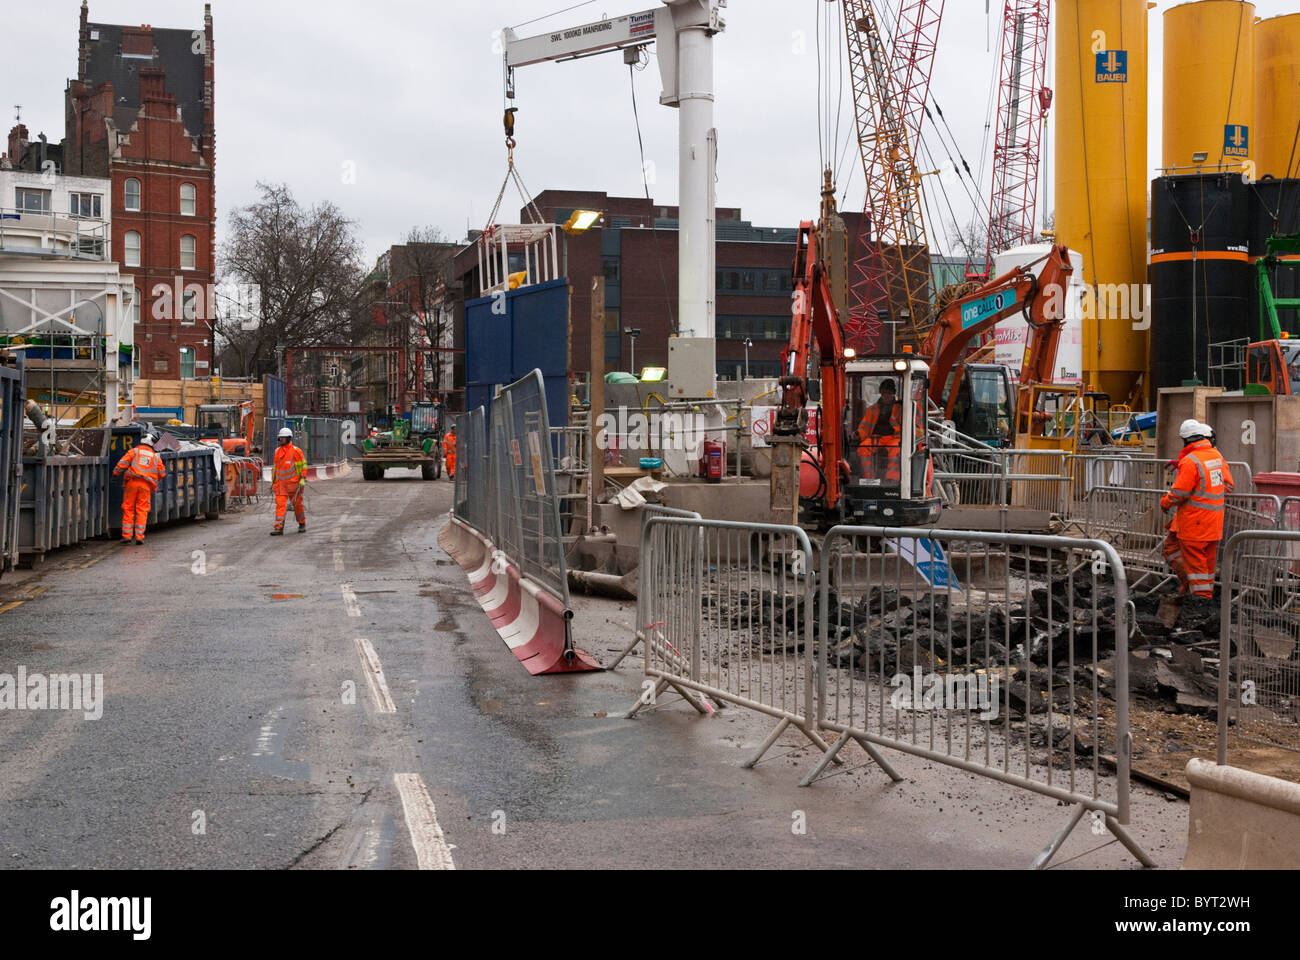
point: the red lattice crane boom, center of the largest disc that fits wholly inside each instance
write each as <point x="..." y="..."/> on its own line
<point x="890" y="277"/>
<point x="1023" y="102"/>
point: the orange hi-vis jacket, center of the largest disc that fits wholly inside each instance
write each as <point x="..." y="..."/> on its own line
<point x="1199" y="493"/>
<point x="872" y="430"/>
<point x="142" y="463"/>
<point x="290" y="467"/>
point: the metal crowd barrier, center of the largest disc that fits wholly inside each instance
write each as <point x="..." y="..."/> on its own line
<point x="982" y="652"/>
<point x="243" y="479"/>
<point x="1259" y="646"/>
<point x="1092" y="471"/>
<point x="726" y="610"/>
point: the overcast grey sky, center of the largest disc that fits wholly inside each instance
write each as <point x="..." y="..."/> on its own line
<point x="410" y="93"/>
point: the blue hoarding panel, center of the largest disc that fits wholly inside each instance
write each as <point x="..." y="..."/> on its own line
<point x="507" y="337"/>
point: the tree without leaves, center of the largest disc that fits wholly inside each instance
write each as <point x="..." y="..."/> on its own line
<point x="420" y="275"/>
<point x="308" y="266"/>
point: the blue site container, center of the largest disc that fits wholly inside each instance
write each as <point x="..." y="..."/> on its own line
<point x="11" y="460"/>
<point x="63" y="499"/>
<point x="194" y="486"/>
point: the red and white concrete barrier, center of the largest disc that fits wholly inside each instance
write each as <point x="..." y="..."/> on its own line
<point x="535" y="625"/>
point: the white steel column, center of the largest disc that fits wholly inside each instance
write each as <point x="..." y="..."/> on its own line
<point x="696" y="229"/>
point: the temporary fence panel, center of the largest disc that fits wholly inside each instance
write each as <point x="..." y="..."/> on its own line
<point x="726" y="610"/>
<point x="64" y="499"/>
<point x="527" y="522"/>
<point x="473" y="492"/>
<point x="11" y="462"/>
<point x="320" y="439"/>
<point x="986" y="652"/>
<point x="1259" y="652"/>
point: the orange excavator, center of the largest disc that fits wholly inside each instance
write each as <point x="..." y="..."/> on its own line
<point x="868" y="460"/>
<point x="978" y="398"/>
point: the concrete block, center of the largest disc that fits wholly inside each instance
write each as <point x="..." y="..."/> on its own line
<point x="1240" y="820"/>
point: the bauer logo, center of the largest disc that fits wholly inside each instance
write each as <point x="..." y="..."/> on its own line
<point x="1112" y="66"/>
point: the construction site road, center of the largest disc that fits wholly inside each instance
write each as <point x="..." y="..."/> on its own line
<point x="336" y="699"/>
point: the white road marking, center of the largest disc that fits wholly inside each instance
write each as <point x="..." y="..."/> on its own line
<point x="338" y="560"/>
<point x="375" y="677"/>
<point x="266" y="735"/>
<point x="431" y="850"/>
<point x="350" y="600"/>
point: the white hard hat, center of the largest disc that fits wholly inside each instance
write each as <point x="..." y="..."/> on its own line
<point x="149" y="439"/>
<point x="285" y="434"/>
<point x="1193" y="429"/>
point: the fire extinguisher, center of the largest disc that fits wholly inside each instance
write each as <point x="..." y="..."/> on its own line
<point x="712" y="461"/>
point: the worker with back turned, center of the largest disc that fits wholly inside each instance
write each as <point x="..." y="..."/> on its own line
<point x="288" y="481"/>
<point x="144" y="469"/>
<point x="1198" y="497"/>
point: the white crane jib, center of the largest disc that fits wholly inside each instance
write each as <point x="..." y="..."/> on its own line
<point x="683" y="31"/>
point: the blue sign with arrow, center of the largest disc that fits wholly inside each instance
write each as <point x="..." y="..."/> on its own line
<point x="1112" y="66"/>
<point x="1236" y="140"/>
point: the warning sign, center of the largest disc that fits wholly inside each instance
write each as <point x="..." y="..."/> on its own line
<point x="761" y="421"/>
<point x="514" y="450"/>
<point x="535" y="454"/>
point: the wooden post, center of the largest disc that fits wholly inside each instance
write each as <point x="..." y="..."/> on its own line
<point x="596" y="392"/>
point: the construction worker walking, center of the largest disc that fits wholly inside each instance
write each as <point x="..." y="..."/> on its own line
<point x="288" y="481"/>
<point x="449" y="452"/>
<point x="143" y="468"/>
<point x="1197" y="498"/>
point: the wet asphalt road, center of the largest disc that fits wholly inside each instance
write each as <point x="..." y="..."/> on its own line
<point x="229" y="738"/>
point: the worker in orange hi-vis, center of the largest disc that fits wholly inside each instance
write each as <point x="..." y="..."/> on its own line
<point x="880" y="437"/>
<point x="288" y="481"/>
<point x="143" y="468"/>
<point x="1197" y="498"/>
<point x="449" y="452"/>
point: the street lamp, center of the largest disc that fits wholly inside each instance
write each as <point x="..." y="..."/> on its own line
<point x="633" y="332"/>
<point x="748" y="343"/>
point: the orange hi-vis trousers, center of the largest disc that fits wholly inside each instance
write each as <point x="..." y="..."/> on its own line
<point x="284" y="495"/>
<point x="137" y="497"/>
<point x="1193" y="563"/>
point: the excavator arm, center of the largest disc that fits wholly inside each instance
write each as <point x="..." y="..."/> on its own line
<point x="815" y="321"/>
<point x="1039" y="297"/>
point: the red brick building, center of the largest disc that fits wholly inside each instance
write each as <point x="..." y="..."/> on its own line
<point x="635" y="249"/>
<point x="140" y="112"/>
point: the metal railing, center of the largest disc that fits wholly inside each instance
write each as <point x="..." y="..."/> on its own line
<point x="726" y="610"/>
<point x="1003" y="479"/>
<point x="11" y="458"/>
<point x="1259" y="646"/>
<point x="982" y="652"/>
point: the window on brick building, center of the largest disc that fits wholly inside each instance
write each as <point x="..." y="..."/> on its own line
<point x="132" y="257"/>
<point x="189" y="307"/>
<point x="187" y="363"/>
<point x="188" y="199"/>
<point x="131" y="194"/>
<point x="611" y="268"/>
<point x="189" y="247"/>
<point x="137" y="304"/>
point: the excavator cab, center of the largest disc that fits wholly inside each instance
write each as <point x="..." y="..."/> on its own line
<point x="985" y="404"/>
<point x="1273" y="367"/>
<point x="890" y="472"/>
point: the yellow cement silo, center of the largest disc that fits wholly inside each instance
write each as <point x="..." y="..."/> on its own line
<point x="1277" y="96"/>
<point x="1101" y="175"/>
<point x="1209" y="85"/>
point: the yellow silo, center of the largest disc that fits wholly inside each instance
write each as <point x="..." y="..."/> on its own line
<point x="1101" y="176"/>
<point x="1277" y="96"/>
<point x="1209" y="85"/>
